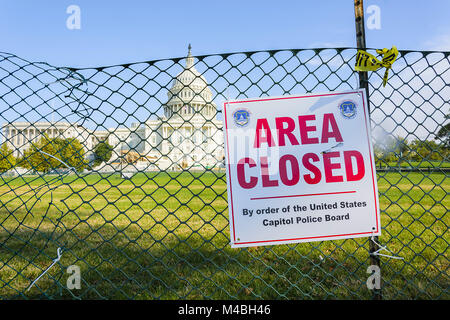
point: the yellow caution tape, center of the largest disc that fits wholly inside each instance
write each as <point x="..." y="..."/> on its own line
<point x="368" y="62"/>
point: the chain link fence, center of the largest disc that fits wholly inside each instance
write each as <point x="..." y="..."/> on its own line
<point x="113" y="184"/>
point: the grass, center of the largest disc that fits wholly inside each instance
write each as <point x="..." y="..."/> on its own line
<point x="424" y="164"/>
<point x="166" y="236"/>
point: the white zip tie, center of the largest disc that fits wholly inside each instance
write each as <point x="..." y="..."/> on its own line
<point x="377" y="253"/>
<point x="54" y="261"/>
<point x="340" y="144"/>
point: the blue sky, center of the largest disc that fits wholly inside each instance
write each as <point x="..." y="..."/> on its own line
<point x="115" y="32"/>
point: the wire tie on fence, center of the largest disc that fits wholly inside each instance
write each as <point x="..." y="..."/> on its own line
<point x="340" y="144"/>
<point x="54" y="261"/>
<point x="381" y="248"/>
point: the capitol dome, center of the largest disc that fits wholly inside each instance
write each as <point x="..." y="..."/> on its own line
<point x="190" y="94"/>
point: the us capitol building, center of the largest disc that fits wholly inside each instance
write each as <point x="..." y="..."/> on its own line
<point x="187" y="135"/>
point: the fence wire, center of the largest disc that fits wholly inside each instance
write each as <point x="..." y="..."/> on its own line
<point x="119" y="171"/>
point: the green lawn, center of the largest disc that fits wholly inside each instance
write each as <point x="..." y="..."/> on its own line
<point x="413" y="164"/>
<point x="166" y="236"/>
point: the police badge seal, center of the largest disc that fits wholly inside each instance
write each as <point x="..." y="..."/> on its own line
<point x="348" y="109"/>
<point x="241" y="117"/>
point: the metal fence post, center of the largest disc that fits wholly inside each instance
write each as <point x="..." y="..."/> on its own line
<point x="364" y="83"/>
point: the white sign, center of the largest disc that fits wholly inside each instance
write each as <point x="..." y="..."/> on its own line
<point x="300" y="168"/>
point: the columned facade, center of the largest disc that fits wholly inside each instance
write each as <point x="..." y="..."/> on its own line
<point x="20" y="135"/>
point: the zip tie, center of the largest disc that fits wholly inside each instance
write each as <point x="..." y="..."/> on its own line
<point x="377" y="253"/>
<point x="340" y="144"/>
<point x="54" y="261"/>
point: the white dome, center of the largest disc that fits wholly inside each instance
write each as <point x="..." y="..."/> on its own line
<point x="189" y="93"/>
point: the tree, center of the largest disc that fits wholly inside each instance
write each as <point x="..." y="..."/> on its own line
<point x="49" y="154"/>
<point x="444" y="133"/>
<point x="102" y="153"/>
<point x="71" y="152"/>
<point x="34" y="160"/>
<point x="426" y="150"/>
<point x="7" y="160"/>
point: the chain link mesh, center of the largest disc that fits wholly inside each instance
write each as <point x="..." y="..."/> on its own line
<point x="122" y="168"/>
